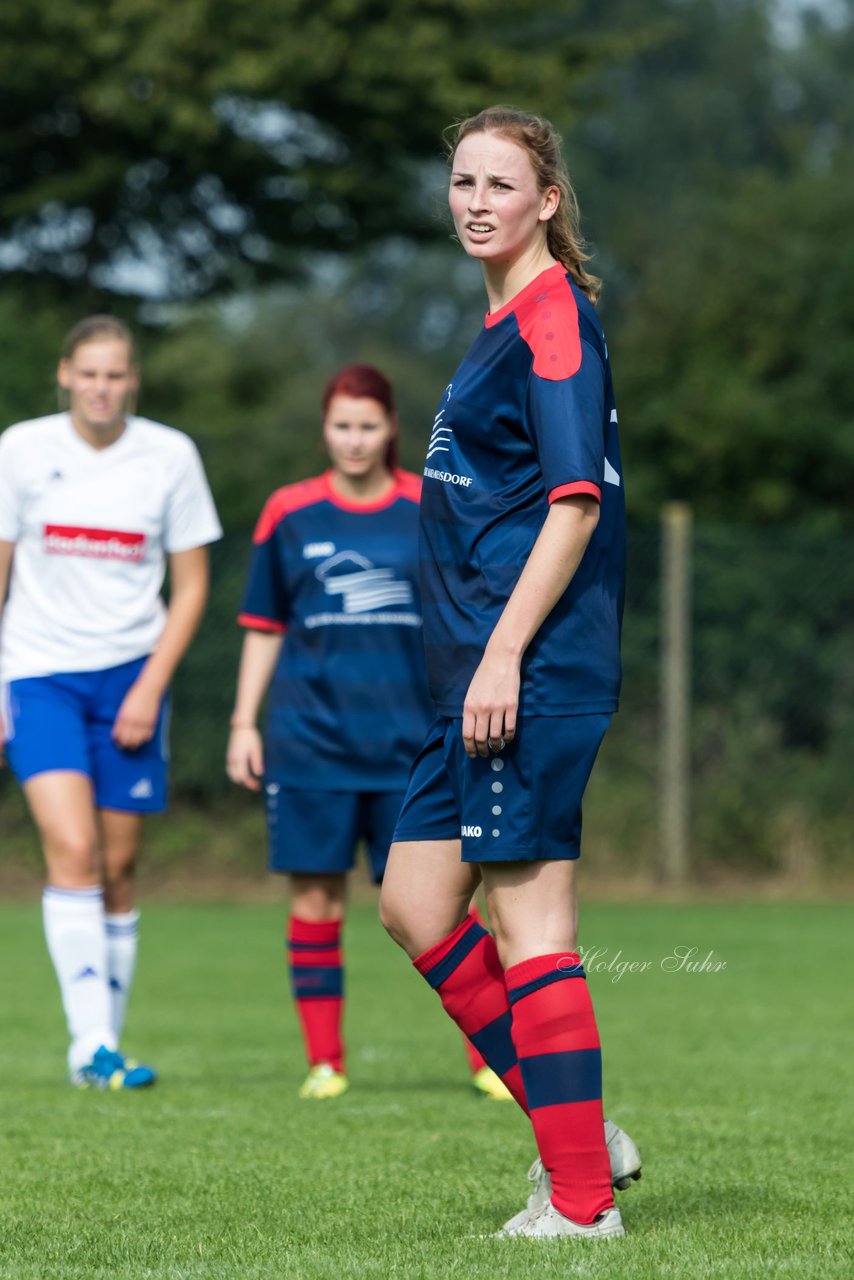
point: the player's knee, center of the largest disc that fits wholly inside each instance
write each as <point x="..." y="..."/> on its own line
<point x="318" y="899"/>
<point x="118" y="887"/>
<point x="390" y="918"/>
<point x="520" y="939"/>
<point x="401" y="922"/>
<point x="502" y="935"/>
<point x="71" y="855"/>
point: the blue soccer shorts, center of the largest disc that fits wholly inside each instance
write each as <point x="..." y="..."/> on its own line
<point x="520" y="805"/>
<point x="318" y="832"/>
<point x="64" y="722"/>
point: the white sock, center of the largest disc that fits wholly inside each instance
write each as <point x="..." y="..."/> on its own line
<point x="77" y="943"/>
<point x="122" y="938"/>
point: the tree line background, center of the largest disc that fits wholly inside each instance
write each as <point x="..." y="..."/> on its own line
<point x="260" y="191"/>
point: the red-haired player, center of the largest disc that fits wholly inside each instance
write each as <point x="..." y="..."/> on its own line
<point x="332" y="613"/>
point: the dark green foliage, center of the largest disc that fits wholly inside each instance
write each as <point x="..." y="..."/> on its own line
<point x="214" y="142"/>
<point x="715" y="173"/>
<point x="713" y="165"/>
<point x="772" y="675"/>
<point x="250" y="391"/>
<point x="736" y="357"/>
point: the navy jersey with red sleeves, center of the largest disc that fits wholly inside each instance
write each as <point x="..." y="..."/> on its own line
<point x="349" y="704"/>
<point x="528" y="418"/>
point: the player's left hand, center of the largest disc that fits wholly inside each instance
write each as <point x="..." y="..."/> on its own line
<point x="137" y="717"/>
<point x="491" y="704"/>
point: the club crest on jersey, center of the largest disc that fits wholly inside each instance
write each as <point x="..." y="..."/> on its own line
<point x="360" y="584"/>
<point x="440" y="442"/>
<point x="440" y="436"/>
<point x="364" y="592"/>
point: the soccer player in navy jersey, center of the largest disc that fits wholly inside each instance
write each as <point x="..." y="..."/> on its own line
<point x="332" y="613"/>
<point x="522" y="565"/>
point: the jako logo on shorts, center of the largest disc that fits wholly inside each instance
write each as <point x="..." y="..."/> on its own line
<point x="471" y="832"/>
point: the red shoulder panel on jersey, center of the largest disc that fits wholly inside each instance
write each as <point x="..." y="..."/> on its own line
<point x="285" y="500"/>
<point x="254" y="623"/>
<point x="548" y="322"/>
<point x="409" y="485"/>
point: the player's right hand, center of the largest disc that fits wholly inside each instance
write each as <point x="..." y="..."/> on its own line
<point x="491" y="705"/>
<point x="244" y="758"/>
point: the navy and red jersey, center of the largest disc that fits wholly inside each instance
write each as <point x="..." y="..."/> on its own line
<point x="528" y="418"/>
<point x="349" y="704"/>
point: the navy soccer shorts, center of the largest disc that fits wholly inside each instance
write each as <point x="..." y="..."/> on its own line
<point x="318" y="832"/>
<point x="64" y="722"/>
<point x="521" y="805"/>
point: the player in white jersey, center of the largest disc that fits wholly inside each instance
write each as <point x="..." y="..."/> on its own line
<point x="94" y="503"/>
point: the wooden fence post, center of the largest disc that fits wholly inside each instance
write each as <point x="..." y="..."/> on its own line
<point x="675" y="684"/>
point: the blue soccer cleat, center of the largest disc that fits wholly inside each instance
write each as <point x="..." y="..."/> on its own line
<point x="109" y="1070"/>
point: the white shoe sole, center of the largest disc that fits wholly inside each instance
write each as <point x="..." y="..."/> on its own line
<point x="548" y="1223"/>
<point x="626" y="1167"/>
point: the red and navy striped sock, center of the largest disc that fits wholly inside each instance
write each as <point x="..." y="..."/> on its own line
<point x="465" y="972"/>
<point x="554" y="1030"/>
<point x="317" y="980"/>
<point x="475" y="1058"/>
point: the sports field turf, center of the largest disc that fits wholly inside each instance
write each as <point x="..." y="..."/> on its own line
<point x="736" y="1085"/>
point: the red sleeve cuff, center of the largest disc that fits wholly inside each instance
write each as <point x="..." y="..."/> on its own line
<point x="261" y="624"/>
<point x="577" y="486"/>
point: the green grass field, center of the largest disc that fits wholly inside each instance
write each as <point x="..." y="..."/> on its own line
<point x="736" y="1084"/>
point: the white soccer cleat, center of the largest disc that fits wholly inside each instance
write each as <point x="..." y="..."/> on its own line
<point x="537" y="1200"/>
<point x="548" y="1223"/>
<point x="625" y="1168"/>
<point x="625" y="1158"/>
